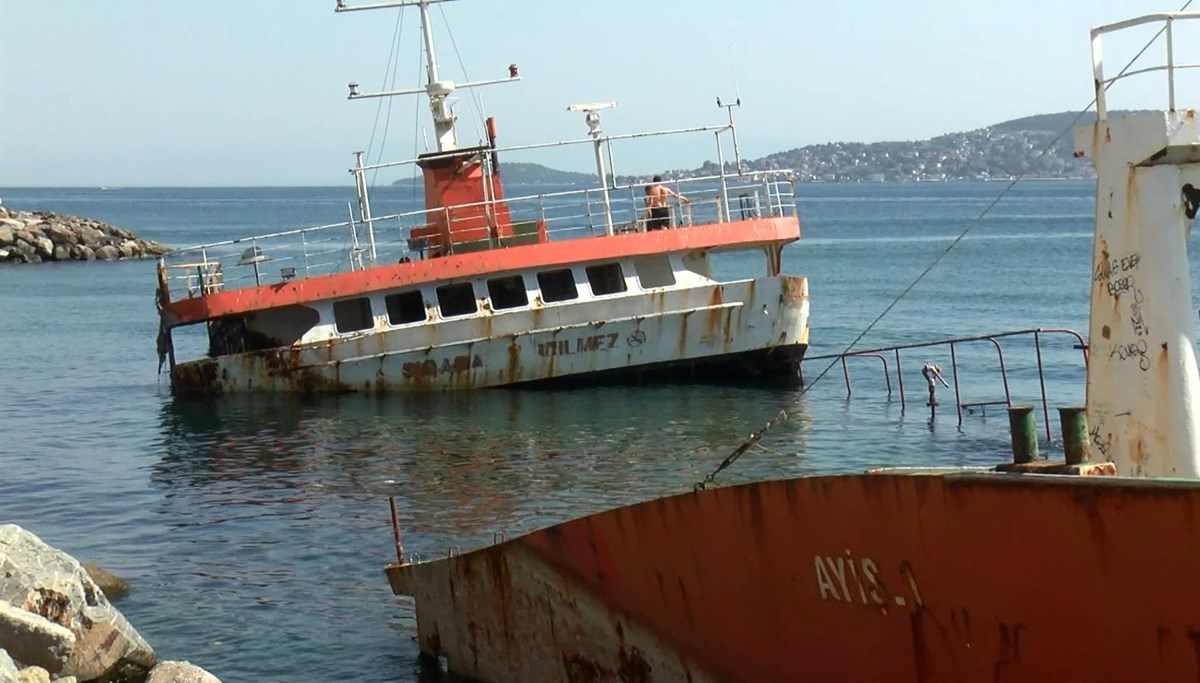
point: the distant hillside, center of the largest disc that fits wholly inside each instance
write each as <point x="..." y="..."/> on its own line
<point x="1002" y="150"/>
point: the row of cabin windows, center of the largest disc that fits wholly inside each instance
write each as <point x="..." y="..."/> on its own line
<point x="458" y="299"/>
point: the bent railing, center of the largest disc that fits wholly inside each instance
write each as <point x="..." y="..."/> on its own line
<point x="953" y="345"/>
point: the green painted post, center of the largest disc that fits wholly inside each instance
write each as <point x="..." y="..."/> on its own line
<point x="1024" y="433"/>
<point x="1076" y="446"/>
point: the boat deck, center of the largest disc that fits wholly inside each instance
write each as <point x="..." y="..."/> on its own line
<point x="395" y="238"/>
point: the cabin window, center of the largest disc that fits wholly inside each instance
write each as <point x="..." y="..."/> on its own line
<point x="507" y="292"/>
<point x="405" y="307"/>
<point x="353" y="315"/>
<point x="457" y="299"/>
<point x="606" y="279"/>
<point x="557" y="285"/>
<point x="654" y="271"/>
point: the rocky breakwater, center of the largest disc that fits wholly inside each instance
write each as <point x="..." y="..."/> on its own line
<point x="57" y="625"/>
<point x="36" y="236"/>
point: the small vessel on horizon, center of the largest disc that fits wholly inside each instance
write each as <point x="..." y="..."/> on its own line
<point x="1032" y="571"/>
<point x="481" y="289"/>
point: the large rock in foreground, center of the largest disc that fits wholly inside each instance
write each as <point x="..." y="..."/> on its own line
<point x="36" y="236"/>
<point x="53" y="586"/>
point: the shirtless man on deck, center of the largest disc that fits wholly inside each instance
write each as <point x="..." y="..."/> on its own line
<point x="658" y="214"/>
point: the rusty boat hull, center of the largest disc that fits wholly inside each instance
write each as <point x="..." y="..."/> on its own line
<point x="737" y="331"/>
<point x="897" y="576"/>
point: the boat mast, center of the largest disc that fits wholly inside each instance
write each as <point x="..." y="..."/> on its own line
<point x="1143" y="384"/>
<point x="436" y="89"/>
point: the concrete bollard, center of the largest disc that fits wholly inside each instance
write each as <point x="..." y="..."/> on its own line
<point x="1023" y="428"/>
<point x="1076" y="445"/>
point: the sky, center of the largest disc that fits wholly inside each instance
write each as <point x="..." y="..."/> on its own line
<point x="155" y="93"/>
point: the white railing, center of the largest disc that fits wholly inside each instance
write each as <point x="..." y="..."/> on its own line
<point x="574" y="214"/>
<point x="1169" y="66"/>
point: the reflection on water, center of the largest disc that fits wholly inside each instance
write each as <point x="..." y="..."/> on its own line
<point x="466" y="465"/>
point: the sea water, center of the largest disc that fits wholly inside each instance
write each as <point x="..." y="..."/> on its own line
<point x="253" y="531"/>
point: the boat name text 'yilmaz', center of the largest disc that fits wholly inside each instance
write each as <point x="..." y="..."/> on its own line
<point x="565" y="347"/>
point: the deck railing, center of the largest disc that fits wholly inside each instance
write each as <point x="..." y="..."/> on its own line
<point x="1169" y="65"/>
<point x="355" y="244"/>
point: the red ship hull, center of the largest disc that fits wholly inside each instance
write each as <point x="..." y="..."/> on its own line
<point x="877" y="577"/>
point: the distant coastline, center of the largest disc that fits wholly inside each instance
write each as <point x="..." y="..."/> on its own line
<point x="998" y="152"/>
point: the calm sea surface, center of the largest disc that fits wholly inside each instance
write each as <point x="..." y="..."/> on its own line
<point x="254" y="531"/>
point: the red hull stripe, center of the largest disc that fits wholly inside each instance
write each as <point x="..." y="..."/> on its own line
<point x="734" y="234"/>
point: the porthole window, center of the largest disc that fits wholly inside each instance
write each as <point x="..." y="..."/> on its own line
<point x="457" y="299"/>
<point x="654" y="271"/>
<point x="353" y="315"/>
<point x="557" y="285"/>
<point x="606" y="279"/>
<point x="507" y="292"/>
<point x="405" y="307"/>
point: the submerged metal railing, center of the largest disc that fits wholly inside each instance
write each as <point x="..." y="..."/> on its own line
<point x="954" y="344"/>
<point x="355" y="244"/>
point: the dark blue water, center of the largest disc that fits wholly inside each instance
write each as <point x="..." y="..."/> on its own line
<point x="254" y="531"/>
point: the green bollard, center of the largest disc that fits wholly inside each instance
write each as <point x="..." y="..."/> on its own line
<point x="1024" y="434"/>
<point x="1077" y="448"/>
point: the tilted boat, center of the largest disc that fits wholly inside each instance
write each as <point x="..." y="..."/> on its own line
<point x="480" y="289"/>
<point x="1081" y="570"/>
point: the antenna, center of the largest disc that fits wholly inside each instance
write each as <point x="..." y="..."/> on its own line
<point x="592" y="119"/>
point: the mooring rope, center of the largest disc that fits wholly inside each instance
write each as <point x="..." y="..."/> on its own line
<point x="782" y="415"/>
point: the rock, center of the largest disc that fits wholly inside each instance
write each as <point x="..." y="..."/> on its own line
<point x="53" y="237"/>
<point x="33" y="639"/>
<point x="45" y="248"/>
<point x="4" y="253"/>
<point x="33" y="674"/>
<point x="66" y="679"/>
<point x="50" y="583"/>
<point x="179" y="672"/>
<point x="88" y="253"/>
<point x="8" y="668"/>
<point x="89" y="235"/>
<point x="62" y="235"/>
<point x="112" y="585"/>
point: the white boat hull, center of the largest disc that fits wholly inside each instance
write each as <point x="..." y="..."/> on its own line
<point x="751" y="328"/>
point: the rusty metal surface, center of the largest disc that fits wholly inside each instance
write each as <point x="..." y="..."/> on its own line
<point x="889" y="576"/>
<point x="1143" y="384"/>
<point x="528" y="345"/>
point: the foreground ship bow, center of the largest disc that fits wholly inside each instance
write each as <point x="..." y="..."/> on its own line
<point x="1085" y="574"/>
<point x="477" y="289"/>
